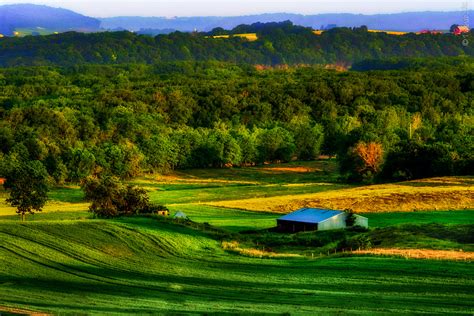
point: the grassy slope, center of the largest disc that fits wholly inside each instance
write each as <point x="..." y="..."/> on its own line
<point x="143" y="266"/>
<point x="61" y="260"/>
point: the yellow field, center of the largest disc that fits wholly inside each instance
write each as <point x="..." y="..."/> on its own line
<point x="388" y="32"/>
<point x="249" y="36"/>
<point x="420" y="253"/>
<point x="449" y="193"/>
<point x="319" y="32"/>
<point x="49" y="207"/>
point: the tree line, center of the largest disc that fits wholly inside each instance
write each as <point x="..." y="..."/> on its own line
<point x="278" y="43"/>
<point x="127" y="120"/>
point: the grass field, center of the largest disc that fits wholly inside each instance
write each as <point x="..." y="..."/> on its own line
<point x="144" y="266"/>
<point x="64" y="261"/>
<point x="33" y="30"/>
<point x="429" y="194"/>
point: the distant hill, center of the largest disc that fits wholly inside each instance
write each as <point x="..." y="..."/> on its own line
<point x="409" y="22"/>
<point x="39" y="17"/>
<point x="21" y="16"/>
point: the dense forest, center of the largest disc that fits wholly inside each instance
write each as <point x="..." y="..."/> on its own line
<point x="131" y="119"/>
<point x="278" y="43"/>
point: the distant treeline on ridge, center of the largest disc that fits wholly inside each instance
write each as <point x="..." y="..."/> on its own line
<point x="278" y="43"/>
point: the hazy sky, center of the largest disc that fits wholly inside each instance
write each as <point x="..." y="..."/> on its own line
<point x="105" y="8"/>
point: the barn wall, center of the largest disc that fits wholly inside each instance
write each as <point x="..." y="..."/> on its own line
<point x="293" y="227"/>
<point x="335" y="222"/>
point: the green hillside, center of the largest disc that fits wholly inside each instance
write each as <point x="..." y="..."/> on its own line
<point x="64" y="261"/>
<point x="145" y="266"/>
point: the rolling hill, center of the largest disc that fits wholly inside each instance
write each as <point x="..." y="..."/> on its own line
<point x="29" y="16"/>
<point x="138" y="266"/>
<point x="407" y="21"/>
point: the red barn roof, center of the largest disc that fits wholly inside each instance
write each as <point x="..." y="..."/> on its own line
<point x="460" y="29"/>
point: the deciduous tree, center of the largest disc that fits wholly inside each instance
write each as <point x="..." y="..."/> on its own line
<point x="27" y="182"/>
<point x="110" y="198"/>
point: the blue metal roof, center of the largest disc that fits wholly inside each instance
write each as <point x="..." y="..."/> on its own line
<point x="310" y="215"/>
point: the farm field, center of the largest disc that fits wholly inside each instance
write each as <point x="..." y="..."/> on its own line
<point x="234" y="165"/>
<point x="34" y="30"/>
<point x="248" y="36"/>
<point x="72" y="263"/>
<point x="144" y="266"/>
<point x="436" y="193"/>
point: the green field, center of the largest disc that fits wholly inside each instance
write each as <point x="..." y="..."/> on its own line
<point x="144" y="266"/>
<point x="64" y="261"/>
<point x="34" y="30"/>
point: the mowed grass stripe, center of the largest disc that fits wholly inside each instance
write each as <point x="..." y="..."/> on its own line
<point x="200" y="277"/>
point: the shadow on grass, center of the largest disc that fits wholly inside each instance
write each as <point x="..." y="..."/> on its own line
<point x="293" y="172"/>
<point x="66" y="194"/>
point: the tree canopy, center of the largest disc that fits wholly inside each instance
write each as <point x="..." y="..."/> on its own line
<point x="131" y="119"/>
<point x="27" y="183"/>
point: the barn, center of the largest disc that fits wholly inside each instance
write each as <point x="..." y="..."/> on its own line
<point x="310" y="219"/>
<point x="460" y="29"/>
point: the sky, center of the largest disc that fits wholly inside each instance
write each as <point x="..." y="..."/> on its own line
<point x="170" y="8"/>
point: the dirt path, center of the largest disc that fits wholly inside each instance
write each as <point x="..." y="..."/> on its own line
<point x="20" y="311"/>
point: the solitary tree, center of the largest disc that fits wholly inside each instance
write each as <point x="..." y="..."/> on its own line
<point x="369" y="157"/>
<point x="363" y="161"/>
<point x="110" y="198"/>
<point x="135" y="201"/>
<point x="28" y="185"/>
<point x="104" y="195"/>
